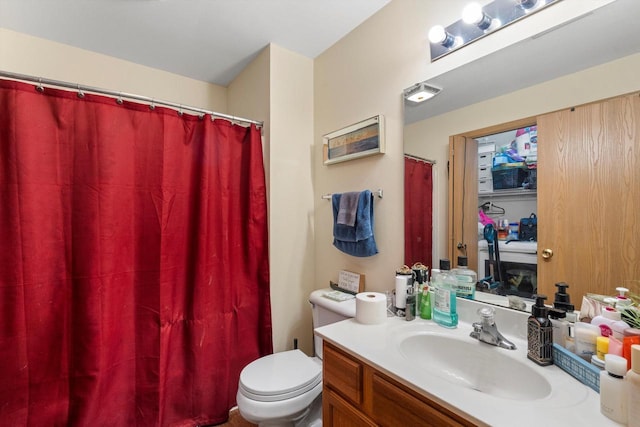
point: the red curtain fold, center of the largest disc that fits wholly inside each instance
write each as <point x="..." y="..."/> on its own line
<point x="418" y="212"/>
<point x="134" y="276"/>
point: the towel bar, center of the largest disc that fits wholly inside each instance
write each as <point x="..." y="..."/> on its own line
<point x="378" y="192"/>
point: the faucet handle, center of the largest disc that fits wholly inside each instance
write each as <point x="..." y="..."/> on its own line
<point x="486" y="312"/>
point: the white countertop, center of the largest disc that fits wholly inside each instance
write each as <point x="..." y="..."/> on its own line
<point x="569" y="403"/>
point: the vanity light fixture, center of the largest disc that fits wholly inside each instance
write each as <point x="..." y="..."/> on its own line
<point x="438" y="35"/>
<point x="526" y="4"/>
<point x="479" y="21"/>
<point x="473" y="14"/>
<point x="420" y="92"/>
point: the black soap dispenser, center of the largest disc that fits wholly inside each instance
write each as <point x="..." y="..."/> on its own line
<point x="540" y="333"/>
<point x="562" y="299"/>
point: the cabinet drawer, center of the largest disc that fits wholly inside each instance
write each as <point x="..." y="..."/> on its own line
<point x="485" y="160"/>
<point x="485" y="185"/>
<point x="342" y="373"/>
<point x="484" y="172"/>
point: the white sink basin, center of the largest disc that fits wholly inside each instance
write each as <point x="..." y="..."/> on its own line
<point x="474" y="365"/>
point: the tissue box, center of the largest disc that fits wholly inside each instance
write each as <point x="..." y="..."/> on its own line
<point x="577" y="367"/>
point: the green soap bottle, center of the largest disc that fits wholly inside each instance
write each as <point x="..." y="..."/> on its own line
<point x="425" y="303"/>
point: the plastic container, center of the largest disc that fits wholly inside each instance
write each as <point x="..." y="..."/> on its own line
<point x="444" y="302"/>
<point x="606" y="320"/>
<point x="613" y="399"/>
<point x="585" y="340"/>
<point x="425" y="303"/>
<point x="632" y="381"/>
<point x="466" y="279"/>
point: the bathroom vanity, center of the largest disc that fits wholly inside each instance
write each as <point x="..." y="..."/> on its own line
<point x="403" y="373"/>
<point x="357" y="394"/>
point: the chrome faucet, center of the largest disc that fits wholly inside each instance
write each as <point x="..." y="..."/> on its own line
<point x="487" y="331"/>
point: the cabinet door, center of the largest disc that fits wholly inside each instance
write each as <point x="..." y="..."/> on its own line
<point x="589" y="197"/>
<point x="336" y="412"/>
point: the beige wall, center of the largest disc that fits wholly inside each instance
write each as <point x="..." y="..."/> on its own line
<point x="364" y="74"/>
<point x="24" y="54"/>
<point x="291" y="212"/>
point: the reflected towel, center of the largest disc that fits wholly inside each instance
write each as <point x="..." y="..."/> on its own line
<point x="357" y="240"/>
<point x="348" y="208"/>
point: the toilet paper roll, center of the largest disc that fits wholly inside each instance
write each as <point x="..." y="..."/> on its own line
<point x="371" y="308"/>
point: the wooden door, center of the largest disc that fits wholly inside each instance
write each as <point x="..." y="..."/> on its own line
<point x="589" y="197"/>
<point x="463" y="200"/>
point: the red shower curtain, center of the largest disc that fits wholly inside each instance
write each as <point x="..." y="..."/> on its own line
<point x="133" y="261"/>
<point x="418" y="212"/>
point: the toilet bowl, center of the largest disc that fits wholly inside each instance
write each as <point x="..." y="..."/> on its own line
<point x="285" y="389"/>
<point x="282" y="389"/>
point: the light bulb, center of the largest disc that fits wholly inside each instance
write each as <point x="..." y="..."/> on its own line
<point x="438" y="35"/>
<point x="472" y="13"/>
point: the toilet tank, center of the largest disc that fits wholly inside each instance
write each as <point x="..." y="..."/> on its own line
<point x="326" y="311"/>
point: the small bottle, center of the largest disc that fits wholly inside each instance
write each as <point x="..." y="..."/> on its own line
<point x="606" y="320"/>
<point x="444" y="303"/>
<point x="466" y="279"/>
<point x="613" y="399"/>
<point x="410" y="311"/>
<point x="570" y="338"/>
<point x="586" y="340"/>
<point x="402" y="283"/>
<point x="559" y="325"/>
<point x="622" y="301"/>
<point x="425" y="303"/>
<point x="540" y="333"/>
<point x="632" y="380"/>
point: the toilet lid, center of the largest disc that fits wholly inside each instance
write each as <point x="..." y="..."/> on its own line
<point x="280" y="376"/>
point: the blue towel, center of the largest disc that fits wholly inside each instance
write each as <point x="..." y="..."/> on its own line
<point x="357" y="240"/>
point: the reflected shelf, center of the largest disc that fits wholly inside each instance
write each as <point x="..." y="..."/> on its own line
<point x="510" y="193"/>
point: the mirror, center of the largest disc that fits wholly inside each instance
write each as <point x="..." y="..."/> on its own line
<point x="464" y="106"/>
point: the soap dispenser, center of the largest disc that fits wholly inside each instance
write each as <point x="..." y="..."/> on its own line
<point x="540" y="333"/>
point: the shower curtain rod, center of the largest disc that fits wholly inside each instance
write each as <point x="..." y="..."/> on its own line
<point x="433" y="162"/>
<point x="119" y="95"/>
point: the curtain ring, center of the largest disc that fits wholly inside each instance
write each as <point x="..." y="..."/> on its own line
<point x="180" y="111"/>
<point x="80" y="92"/>
<point x="152" y="106"/>
<point x="40" y="88"/>
<point x="201" y="116"/>
<point x="119" y="99"/>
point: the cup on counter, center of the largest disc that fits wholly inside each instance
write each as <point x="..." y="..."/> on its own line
<point x="503" y="229"/>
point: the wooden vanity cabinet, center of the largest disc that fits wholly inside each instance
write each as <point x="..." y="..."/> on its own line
<point x="356" y="394"/>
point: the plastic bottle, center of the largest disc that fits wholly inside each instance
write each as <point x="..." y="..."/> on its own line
<point x="613" y="399"/>
<point x="444" y="303"/>
<point x="403" y="281"/>
<point x="559" y="325"/>
<point x="410" y="310"/>
<point x="585" y="340"/>
<point x="606" y="321"/>
<point x="425" y="303"/>
<point x="466" y="279"/>
<point x="540" y="333"/>
<point x="622" y="301"/>
<point x="632" y="380"/>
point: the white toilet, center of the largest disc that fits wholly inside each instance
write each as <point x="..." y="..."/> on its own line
<point x="285" y="389"/>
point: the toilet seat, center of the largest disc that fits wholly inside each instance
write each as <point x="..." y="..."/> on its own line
<point x="279" y="376"/>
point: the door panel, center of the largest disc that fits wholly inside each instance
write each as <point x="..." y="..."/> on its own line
<point x="589" y="197"/>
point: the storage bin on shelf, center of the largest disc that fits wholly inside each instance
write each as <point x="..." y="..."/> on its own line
<point x="509" y="177"/>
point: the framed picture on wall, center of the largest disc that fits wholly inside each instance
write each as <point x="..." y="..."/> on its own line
<point x="361" y="139"/>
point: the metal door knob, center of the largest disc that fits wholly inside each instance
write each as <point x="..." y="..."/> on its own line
<point x="547" y="253"/>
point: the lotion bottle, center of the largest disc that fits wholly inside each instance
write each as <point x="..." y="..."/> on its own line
<point x="540" y="333"/>
<point x="632" y="380"/>
<point x="613" y="399"/>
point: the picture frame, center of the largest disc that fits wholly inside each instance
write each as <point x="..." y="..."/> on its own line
<point x="361" y="139"/>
